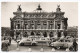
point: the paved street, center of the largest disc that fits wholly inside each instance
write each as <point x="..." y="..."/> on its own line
<point x="13" y="47"/>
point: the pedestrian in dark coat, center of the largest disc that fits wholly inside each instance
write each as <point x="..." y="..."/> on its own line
<point x="75" y="45"/>
<point x="4" y="46"/>
<point x="10" y="40"/>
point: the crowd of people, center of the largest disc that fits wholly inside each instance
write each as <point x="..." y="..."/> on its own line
<point x="6" y="41"/>
<point x="5" y="45"/>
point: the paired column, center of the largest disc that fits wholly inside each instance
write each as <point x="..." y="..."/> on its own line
<point x="20" y="24"/>
<point x="61" y="24"/>
<point x="47" y="24"/>
<point x="48" y="33"/>
<point x="21" y="35"/>
<point x="14" y="25"/>
<point x="35" y="24"/>
<point x="14" y="34"/>
<point x="41" y="24"/>
<point x="54" y="24"/>
<point x="29" y="25"/>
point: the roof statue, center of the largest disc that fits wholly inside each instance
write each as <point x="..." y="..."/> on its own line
<point x="58" y="9"/>
<point x="19" y="8"/>
<point x="39" y="7"/>
<point x="58" y="6"/>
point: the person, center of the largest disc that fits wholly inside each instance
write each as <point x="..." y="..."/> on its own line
<point x="62" y="36"/>
<point x="56" y="35"/>
<point x="4" y="46"/>
<point x="75" y="45"/>
<point x="65" y="33"/>
<point x="10" y="40"/>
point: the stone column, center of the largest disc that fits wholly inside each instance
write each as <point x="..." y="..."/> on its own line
<point x="41" y="34"/>
<point x="54" y="24"/>
<point x="29" y="33"/>
<point x="34" y="33"/>
<point x="48" y="33"/>
<point x="41" y="24"/>
<point x="21" y="35"/>
<point x="14" y="34"/>
<point x="35" y="24"/>
<point x="29" y="26"/>
<point x="61" y="24"/>
<point x="48" y="24"/>
<point x="14" y="25"/>
<point x="20" y="24"/>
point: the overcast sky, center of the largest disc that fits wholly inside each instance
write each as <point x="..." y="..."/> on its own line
<point x="70" y="9"/>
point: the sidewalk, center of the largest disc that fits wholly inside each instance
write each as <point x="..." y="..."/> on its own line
<point x="13" y="42"/>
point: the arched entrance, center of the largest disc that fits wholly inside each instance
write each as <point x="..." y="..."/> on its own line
<point x="25" y="34"/>
<point x="51" y="34"/>
<point x="59" y="33"/>
<point x="58" y="25"/>
<point x="17" y="34"/>
<point x="45" y="34"/>
<point x="38" y="34"/>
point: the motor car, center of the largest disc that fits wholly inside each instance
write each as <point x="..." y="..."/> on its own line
<point x="62" y="44"/>
<point x="6" y="40"/>
<point x="43" y="39"/>
<point x="27" y="41"/>
<point x="68" y="37"/>
<point x="4" y="46"/>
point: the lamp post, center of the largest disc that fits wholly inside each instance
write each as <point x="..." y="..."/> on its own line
<point x="42" y="47"/>
<point x="17" y="38"/>
<point x="17" y="45"/>
<point x="23" y="27"/>
<point x="16" y="31"/>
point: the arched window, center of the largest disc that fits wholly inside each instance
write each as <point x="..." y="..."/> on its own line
<point x="59" y="33"/>
<point x="32" y="33"/>
<point x="58" y="25"/>
<point x="17" y="32"/>
<point x="51" y="34"/>
<point x="25" y="34"/>
<point x="38" y="33"/>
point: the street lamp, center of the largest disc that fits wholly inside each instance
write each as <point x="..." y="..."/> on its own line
<point x="42" y="47"/>
<point x="17" y="45"/>
<point x="23" y="27"/>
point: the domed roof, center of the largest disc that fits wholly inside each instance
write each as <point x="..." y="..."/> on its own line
<point x="39" y="7"/>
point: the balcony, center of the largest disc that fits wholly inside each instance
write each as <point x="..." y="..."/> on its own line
<point x="38" y="29"/>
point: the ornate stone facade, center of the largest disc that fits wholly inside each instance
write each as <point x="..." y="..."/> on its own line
<point x="38" y="23"/>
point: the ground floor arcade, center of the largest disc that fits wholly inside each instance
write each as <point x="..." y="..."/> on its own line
<point x="39" y="33"/>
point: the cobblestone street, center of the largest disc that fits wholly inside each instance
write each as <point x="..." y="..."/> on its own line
<point x="13" y="47"/>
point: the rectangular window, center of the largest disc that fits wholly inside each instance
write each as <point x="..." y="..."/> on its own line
<point x="32" y="27"/>
<point x="55" y="25"/>
<point x="44" y="26"/>
<point x="26" y="26"/>
<point x="51" y="26"/>
<point x="38" y="26"/>
<point x="18" y="26"/>
<point x="58" y="26"/>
